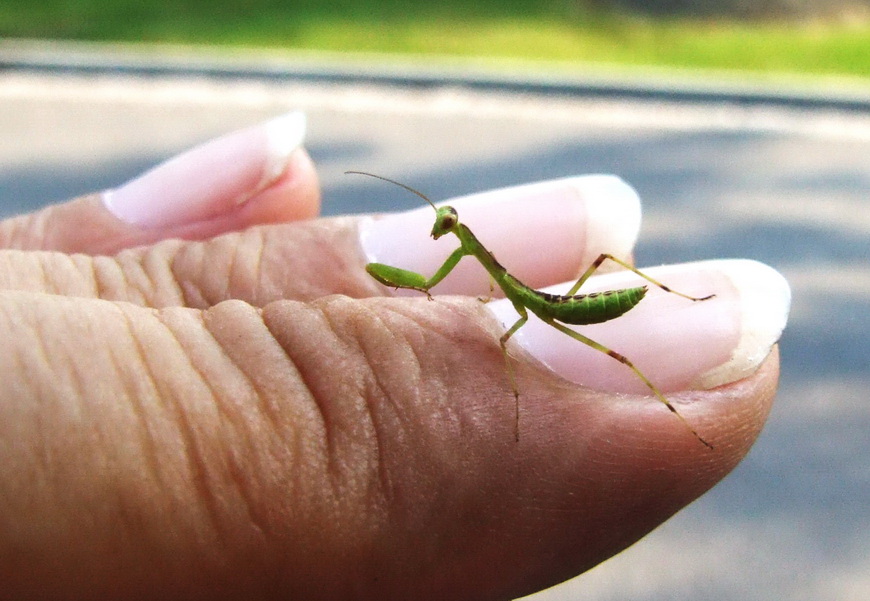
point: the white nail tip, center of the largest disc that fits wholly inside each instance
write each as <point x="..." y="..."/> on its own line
<point x="108" y="198"/>
<point x="284" y="135"/>
<point x="613" y="209"/>
<point x="765" y="299"/>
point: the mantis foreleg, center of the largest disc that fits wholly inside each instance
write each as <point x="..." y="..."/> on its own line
<point x="402" y="278"/>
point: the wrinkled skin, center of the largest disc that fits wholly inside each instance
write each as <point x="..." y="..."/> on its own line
<point x="248" y="416"/>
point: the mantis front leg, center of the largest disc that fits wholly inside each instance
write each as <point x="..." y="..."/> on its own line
<point x="395" y="277"/>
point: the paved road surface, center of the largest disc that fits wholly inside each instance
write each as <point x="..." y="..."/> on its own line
<point x="783" y="186"/>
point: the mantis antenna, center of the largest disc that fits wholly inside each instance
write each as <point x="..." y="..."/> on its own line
<point x="392" y="181"/>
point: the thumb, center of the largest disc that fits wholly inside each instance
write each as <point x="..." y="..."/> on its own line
<point x="327" y="450"/>
<point x="253" y="176"/>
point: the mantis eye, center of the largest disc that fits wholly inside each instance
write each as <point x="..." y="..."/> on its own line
<point x="445" y="222"/>
<point x="449" y="218"/>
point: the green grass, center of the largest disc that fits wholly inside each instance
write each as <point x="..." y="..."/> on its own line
<point x="552" y="30"/>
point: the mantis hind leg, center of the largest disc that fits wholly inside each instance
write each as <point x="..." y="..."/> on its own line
<point x="604" y="256"/>
<point x="624" y="360"/>
<point x="524" y="317"/>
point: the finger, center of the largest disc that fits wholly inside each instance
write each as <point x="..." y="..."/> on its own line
<point x="343" y="447"/>
<point x="547" y="232"/>
<point x="253" y="176"/>
<point x="302" y="261"/>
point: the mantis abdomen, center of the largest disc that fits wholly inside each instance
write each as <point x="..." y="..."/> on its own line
<point x="596" y="307"/>
<point x="579" y="309"/>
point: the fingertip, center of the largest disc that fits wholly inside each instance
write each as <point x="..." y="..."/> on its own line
<point x="210" y="179"/>
<point x="253" y="176"/>
<point x="294" y="196"/>
<point x="677" y="343"/>
<point x="763" y="303"/>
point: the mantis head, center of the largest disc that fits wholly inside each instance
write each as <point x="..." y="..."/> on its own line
<point x="446" y="218"/>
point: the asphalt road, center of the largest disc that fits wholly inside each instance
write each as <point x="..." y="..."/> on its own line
<point x="785" y="186"/>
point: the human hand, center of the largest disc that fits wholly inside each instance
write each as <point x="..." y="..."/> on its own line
<point x="207" y="419"/>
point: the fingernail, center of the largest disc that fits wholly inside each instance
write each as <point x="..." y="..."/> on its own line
<point x="212" y="178"/>
<point x="542" y="233"/>
<point x="677" y="343"/>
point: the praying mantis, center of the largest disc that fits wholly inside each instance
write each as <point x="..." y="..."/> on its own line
<point x="554" y="310"/>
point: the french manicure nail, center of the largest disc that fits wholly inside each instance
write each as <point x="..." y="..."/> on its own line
<point x="764" y="302"/>
<point x="210" y="179"/>
<point x="543" y="232"/>
<point x="677" y="343"/>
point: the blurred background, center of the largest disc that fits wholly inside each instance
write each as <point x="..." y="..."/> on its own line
<point x="744" y="125"/>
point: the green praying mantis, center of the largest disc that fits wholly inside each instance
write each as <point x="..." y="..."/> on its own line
<point x="554" y="310"/>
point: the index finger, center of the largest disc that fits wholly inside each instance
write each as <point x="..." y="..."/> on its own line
<point x="544" y="233"/>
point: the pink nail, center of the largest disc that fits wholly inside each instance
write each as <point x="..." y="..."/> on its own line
<point x="677" y="343"/>
<point x="211" y="179"/>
